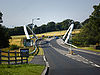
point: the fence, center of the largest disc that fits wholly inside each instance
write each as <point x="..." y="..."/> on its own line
<point x="13" y="57"/>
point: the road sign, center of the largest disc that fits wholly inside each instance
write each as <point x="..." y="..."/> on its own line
<point x="24" y="52"/>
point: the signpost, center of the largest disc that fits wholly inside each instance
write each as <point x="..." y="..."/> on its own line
<point x="24" y="52"/>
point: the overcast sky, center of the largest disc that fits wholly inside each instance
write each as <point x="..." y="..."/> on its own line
<point x="21" y="12"/>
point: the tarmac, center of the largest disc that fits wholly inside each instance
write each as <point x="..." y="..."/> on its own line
<point x="38" y="59"/>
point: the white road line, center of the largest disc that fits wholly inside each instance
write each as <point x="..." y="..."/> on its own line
<point x="95" y="65"/>
<point x="75" y="57"/>
<point x="60" y="42"/>
<point x="44" y="58"/>
<point x="47" y="66"/>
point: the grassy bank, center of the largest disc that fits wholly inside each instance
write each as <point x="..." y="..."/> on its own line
<point x="89" y="48"/>
<point x="25" y="69"/>
<point x="39" y="53"/>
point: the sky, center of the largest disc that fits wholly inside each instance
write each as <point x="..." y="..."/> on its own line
<point x="21" y="12"/>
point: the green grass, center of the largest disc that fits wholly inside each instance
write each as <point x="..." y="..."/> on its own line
<point x="25" y="69"/>
<point x="40" y="51"/>
<point x="89" y="48"/>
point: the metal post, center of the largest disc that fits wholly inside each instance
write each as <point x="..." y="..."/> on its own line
<point x="70" y="43"/>
<point x="32" y="24"/>
<point x="71" y="51"/>
<point x="33" y="21"/>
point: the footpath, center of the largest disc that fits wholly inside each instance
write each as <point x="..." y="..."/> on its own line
<point x="38" y="59"/>
<point x="41" y="60"/>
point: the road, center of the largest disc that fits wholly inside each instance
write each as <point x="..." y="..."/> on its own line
<point x="61" y="64"/>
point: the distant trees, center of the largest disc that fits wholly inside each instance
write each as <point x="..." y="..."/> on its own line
<point x="16" y="31"/>
<point x="51" y="26"/>
<point x="90" y="32"/>
<point x="4" y="37"/>
<point x="43" y="28"/>
<point x="58" y="26"/>
<point x="77" y="25"/>
<point x="65" y="24"/>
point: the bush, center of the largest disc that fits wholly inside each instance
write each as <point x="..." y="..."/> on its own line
<point x="13" y="47"/>
<point x="80" y="40"/>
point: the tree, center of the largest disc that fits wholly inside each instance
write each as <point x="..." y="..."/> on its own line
<point x="58" y="26"/>
<point x="4" y="37"/>
<point x="65" y="24"/>
<point x="85" y="22"/>
<point x="43" y="28"/>
<point x="50" y="26"/>
<point x="36" y="29"/>
<point x="90" y="33"/>
<point x="1" y="17"/>
<point x="77" y="25"/>
<point x="16" y="31"/>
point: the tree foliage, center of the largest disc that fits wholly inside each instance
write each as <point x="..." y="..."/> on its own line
<point x="90" y="32"/>
<point x="4" y="37"/>
<point x="1" y="17"/>
<point x="50" y="26"/>
<point x="16" y="31"/>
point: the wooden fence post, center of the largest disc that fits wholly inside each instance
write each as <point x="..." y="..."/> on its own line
<point x="21" y="58"/>
<point x="8" y="57"/>
<point x="27" y="58"/>
<point x="0" y="58"/>
<point x="15" y="57"/>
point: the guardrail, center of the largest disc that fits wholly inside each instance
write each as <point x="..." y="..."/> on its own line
<point x="13" y="57"/>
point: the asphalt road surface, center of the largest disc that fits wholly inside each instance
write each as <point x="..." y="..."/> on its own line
<point x="63" y="65"/>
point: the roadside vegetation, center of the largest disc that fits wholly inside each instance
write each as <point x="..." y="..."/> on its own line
<point x="90" y="32"/>
<point x="90" y="48"/>
<point x="23" y="69"/>
<point x="4" y="37"/>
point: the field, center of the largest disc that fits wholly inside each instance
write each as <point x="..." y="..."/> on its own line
<point x="18" y="40"/>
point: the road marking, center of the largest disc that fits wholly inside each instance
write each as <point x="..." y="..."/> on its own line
<point x="44" y="58"/>
<point x="60" y="42"/>
<point x="75" y="57"/>
<point x="47" y="66"/>
<point x="96" y="65"/>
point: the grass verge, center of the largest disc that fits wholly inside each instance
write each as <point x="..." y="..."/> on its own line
<point x="89" y="48"/>
<point x="40" y="52"/>
<point x="24" y="69"/>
